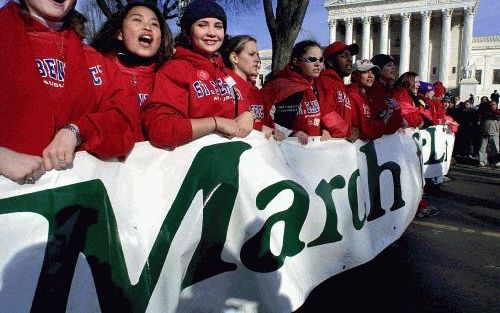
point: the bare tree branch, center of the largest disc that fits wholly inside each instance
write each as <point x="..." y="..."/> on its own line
<point x="270" y="19"/>
<point x="104" y="8"/>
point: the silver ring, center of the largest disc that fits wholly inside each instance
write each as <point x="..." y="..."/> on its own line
<point x="61" y="160"/>
<point x="30" y="179"/>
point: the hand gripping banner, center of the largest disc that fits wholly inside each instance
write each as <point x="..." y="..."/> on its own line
<point x="207" y="226"/>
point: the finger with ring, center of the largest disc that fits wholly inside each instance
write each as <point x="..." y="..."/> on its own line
<point x="61" y="160"/>
<point x="30" y="179"/>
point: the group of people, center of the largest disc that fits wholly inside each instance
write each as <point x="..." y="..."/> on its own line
<point x="477" y="139"/>
<point x="136" y="82"/>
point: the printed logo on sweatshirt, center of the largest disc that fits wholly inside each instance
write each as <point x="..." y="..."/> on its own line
<point x="366" y="110"/>
<point x="52" y="71"/>
<point x="343" y="99"/>
<point x="217" y="88"/>
<point x="311" y="107"/>
<point x="142" y="98"/>
<point x="96" y="72"/>
<point x="202" y="75"/>
<point x="257" y="109"/>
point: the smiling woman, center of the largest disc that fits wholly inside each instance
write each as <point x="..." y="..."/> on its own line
<point x="56" y="93"/>
<point x="138" y="41"/>
<point x="193" y="95"/>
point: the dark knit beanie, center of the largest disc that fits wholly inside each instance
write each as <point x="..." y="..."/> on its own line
<point x="199" y="9"/>
<point x="382" y="59"/>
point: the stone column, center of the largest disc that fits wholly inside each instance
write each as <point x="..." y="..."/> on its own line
<point x="467" y="37"/>
<point x="445" y="45"/>
<point x="384" y="34"/>
<point x="423" y="68"/>
<point x="348" y="30"/>
<point x="404" y="63"/>
<point x="365" y="52"/>
<point x="332" y="26"/>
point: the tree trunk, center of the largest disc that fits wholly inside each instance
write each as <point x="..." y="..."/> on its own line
<point x="284" y="27"/>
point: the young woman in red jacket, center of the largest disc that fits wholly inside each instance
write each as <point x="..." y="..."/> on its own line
<point x="57" y="95"/>
<point x="241" y="55"/>
<point x="405" y="92"/>
<point x="192" y="96"/>
<point x="363" y="116"/>
<point x="292" y="97"/>
<point x="138" y="41"/>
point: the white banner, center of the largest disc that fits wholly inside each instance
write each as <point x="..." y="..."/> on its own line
<point x="437" y="149"/>
<point x="213" y="225"/>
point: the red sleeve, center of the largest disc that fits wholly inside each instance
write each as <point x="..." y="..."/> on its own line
<point x="408" y="110"/>
<point x="330" y="119"/>
<point x="369" y="125"/>
<point x="111" y="131"/>
<point x="438" y="112"/>
<point x="165" y="116"/>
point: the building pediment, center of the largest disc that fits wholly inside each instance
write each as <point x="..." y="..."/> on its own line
<point x="360" y="8"/>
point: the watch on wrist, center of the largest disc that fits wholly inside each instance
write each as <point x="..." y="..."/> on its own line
<point x="75" y="131"/>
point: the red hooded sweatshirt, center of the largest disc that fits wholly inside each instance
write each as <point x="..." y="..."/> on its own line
<point x="189" y="86"/>
<point x="62" y="82"/>
<point x="292" y="99"/>
<point x="370" y="126"/>
<point x="137" y="83"/>
<point x="408" y="109"/>
<point x="249" y="98"/>
<point x="335" y="104"/>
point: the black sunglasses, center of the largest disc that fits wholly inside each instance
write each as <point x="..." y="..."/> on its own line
<point x="313" y="59"/>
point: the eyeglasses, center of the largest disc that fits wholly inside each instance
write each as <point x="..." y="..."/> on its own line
<point x="313" y="59"/>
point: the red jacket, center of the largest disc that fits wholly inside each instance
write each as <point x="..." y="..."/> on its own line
<point x="408" y="109"/>
<point x="335" y="104"/>
<point x="137" y="83"/>
<point x="437" y="109"/>
<point x="189" y="86"/>
<point x="291" y="98"/>
<point x="60" y="84"/>
<point x="370" y="126"/>
<point x="382" y="100"/>
<point x="249" y="98"/>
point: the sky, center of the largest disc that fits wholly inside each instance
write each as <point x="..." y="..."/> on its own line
<point x="315" y="26"/>
<point x="252" y="22"/>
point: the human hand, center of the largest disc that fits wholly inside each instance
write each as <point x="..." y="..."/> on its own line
<point x="325" y="135"/>
<point x="278" y="135"/>
<point x="268" y="131"/>
<point x="245" y="124"/>
<point x="59" y="153"/>
<point x="354" y="134"/>
<point x="387" y="117"/>
<point x="302" y="137"/>
<point x="19" y="167"/>
<point x="227" y="127"/>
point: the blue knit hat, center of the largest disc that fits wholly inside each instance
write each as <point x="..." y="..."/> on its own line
<point x="199" y="9"/>
<point x="425" y="88"/>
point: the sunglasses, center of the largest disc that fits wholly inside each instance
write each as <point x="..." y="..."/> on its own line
<point x="313" y="59"/>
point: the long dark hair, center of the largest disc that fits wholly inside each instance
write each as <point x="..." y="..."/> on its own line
<point x="406" y="80"/>
<point x="106" y="40"/>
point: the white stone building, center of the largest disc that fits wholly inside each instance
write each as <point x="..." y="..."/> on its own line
<point x="430" y="37"/>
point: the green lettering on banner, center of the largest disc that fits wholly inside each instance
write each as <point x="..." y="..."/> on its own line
<point x="81" y="219"/>
<point x="432" y="156"/>
<point x="353" y="200"/>
<point x="256" y="253"/>
<point x="324" y="190"/>
<point x="374" y="172"/>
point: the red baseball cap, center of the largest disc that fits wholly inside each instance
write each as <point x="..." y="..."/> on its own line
<point x="338" y="47"/>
